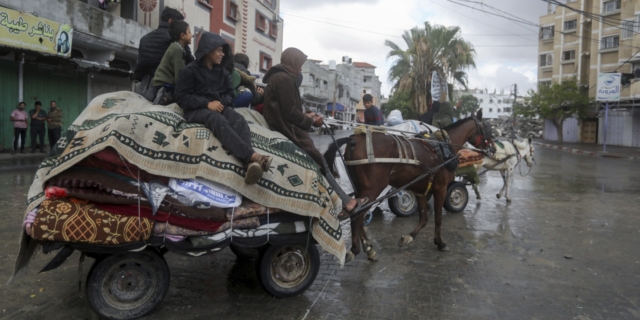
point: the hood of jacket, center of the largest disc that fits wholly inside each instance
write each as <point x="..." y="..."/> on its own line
<point x="273" y="70"/>
<point x="209" y="42"/>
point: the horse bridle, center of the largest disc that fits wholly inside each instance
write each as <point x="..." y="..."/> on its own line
<point x="480" y="135"/>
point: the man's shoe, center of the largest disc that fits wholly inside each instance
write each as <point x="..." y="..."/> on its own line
<point x="253" y="173"/>
<point x="13" y="153"/>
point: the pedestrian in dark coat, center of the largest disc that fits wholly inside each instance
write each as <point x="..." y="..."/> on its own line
<point x="427" y="117"/>
<point x="283" y="112"/>
<point x="154" y="44"/>
<point x="38" y="117"/>
<point x="372" y="114"/>
<point x="205" y="94"/>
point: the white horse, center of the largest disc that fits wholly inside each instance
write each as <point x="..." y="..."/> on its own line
<point x="505" y="160"/>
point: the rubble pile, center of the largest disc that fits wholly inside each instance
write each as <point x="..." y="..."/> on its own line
<point x="524" y="127"/>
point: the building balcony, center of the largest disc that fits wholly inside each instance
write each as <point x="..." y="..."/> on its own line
<point x="97" y="33"/>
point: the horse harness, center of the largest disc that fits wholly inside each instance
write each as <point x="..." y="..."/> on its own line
<point x="402" y="152"/>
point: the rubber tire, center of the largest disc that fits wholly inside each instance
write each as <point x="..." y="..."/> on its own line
<point x="456" y="187"/>
<point x="278" y="291"/>
<point x="243" y="253"/>
<point x="396" y="208"/>
<point x="96" y="279"/>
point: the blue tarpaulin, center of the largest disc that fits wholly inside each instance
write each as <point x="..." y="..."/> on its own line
<point x="339" y="107"/>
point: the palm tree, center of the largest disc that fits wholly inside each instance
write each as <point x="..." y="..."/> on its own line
<point x="434" y="48"/>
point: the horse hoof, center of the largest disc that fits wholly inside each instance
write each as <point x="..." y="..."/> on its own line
<point x="443" y="247"/>
<point x="373" y="256"/>
<point x="508" y="200"/>
<point x="498" y="196"/>
<point x="404" y="240"/>
<point x="478" y="197"/>
<point x="349" y="256"/>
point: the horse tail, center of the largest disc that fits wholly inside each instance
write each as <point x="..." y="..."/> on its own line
<point x="330" y="154"/>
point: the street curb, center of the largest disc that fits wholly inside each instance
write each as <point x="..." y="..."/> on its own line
<point x="586" y="153"/>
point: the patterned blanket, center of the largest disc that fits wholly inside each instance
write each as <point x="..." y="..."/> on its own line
<point x="158" y="140"/>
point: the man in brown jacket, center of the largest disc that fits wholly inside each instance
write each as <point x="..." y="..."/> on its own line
<point x="54" y="120"/>
<point x="283" y="112"/>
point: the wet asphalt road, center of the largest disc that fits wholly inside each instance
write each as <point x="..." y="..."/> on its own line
<point x="567" y="247"/>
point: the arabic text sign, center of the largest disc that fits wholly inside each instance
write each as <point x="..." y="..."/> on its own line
<point x="25" y="31"/>
<point x="436" y="87"/>
<point x="608" y="87"/>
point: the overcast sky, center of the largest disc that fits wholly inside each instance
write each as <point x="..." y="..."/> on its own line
<point x="506" y="52"/>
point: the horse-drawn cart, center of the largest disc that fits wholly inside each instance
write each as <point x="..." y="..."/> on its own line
<point x="131" y="182"/>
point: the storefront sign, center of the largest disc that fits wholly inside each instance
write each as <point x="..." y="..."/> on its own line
<point x="25" y="31"/>
<point x="608" y="87"/>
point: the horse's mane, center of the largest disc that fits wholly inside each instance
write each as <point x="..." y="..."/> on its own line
<point x="457" y="123"/>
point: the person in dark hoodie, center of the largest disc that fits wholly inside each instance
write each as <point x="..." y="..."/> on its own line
<point x="205" y="94"/>
<point x="427" y="117"/>
<point x="283" y="112"/>
<point x="152" y="48"/>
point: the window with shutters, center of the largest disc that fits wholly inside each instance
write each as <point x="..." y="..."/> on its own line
<point x="265" y="62"/>
<point x="273" y="29"/>
<point x="610" y="42"/>
<point x="546" y="60"/>
<point x="570" y="25"/>
<point x="609" y="6"/>
<point x="546" y="33"/>
<point x="232" y="10"/>
<point x="568" y="55"/>
<point x="628" y="28"/>
<point x="261" y="22"/>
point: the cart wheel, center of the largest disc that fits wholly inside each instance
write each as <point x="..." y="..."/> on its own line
<point x="127" y="285"/>
<point x="288" y="271"/>
<point x="404" y="204"/>
<point x="243" y="253"/>
<point x="457" y="197"/>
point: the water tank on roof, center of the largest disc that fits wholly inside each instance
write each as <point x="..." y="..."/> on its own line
<point x="332" y="65"/>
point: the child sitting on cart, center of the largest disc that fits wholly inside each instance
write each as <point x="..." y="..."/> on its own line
<point x="205" y="94"/>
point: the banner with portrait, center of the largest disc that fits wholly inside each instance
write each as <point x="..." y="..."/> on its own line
<point x="25" y="31"/>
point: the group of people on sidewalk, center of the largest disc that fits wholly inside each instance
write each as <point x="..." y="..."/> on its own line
<point x="35" y="119"/>
<point x="209" y="86"/>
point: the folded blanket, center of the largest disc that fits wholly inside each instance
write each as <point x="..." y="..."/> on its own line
<point x="468" y="158"/>
<point x="161" y="228"/>
<point x="99" y="186"/>
<point x="135" y="211"/>
<point x="249" y="209"/>
<point x="67" y="221"/>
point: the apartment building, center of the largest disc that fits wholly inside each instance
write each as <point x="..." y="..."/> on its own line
<point x="606" y="39"/>
<point x="348" y="82"/>
<point x="252" y="27"/>
<point x="493" y="104"/>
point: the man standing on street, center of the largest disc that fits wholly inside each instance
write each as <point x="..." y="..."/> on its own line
<point x="372" y="114"/>
<point x="55" y="124"/>
<point x="38" y="117"/>
<point x="19" y="118"/>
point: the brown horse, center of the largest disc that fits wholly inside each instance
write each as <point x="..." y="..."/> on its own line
<point x="372" y="178"/>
